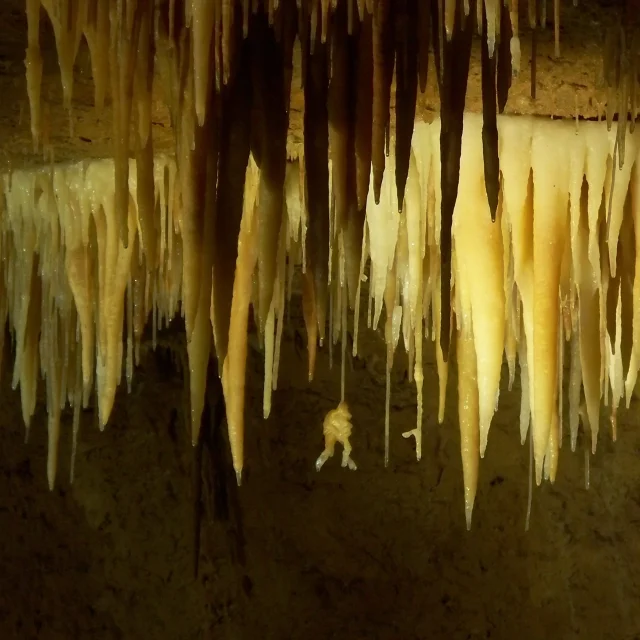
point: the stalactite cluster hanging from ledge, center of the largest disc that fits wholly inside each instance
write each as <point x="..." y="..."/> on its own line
<point x="552" y="280"/>
<point x="218" y="233"/>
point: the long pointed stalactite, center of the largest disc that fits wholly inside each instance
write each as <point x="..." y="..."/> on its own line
<point x="383" y="53"/>
<point x="316" y="180"/>
<point x="489" y="123"/>
<point x="407" y="52"/>
<point x="455" y="72"/>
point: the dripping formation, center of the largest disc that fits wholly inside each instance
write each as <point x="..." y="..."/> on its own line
<point x="144" y="234"/>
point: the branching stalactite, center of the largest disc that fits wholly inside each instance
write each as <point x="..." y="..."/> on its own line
<point x="489" y="122"/>
<point x="407" y="51"/>
<point x="316" y="154"/>
<point x="457" y="53"/>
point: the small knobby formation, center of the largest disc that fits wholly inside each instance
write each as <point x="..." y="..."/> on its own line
<point x="337" y="428"/>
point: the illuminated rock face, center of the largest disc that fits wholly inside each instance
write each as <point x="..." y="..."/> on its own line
<point x="552" y="277"/>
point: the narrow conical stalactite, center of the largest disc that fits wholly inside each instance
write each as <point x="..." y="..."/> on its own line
<point x="235" y="134"/>
<point x="144" y="139"/>
<point x="287" y="35"/>
<point x="489" y="122"/>
<point x="33" y="64"/>
<point x="199" y="348"/>
<point x="96" y="33"/>
<point x="424" y="42"/>
<point x="505" y="68"/>
<point x="352" y="224"/>
<point x="364" y="109"/>
<point x="126" y="21"/>
<point x="339" y="116"/>
<point x="407" y="52"/>
<point x="457" y="54"/>
<point x="271" y="120"/>
<point x="316" y="155"/>
<point x="437" y="36"/>
<point x="383" y="53"/>
<point x="534" y="13"/>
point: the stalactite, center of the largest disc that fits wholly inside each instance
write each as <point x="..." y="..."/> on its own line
<point x="382" y="59"/>
<point x="457" y="53"/>
<point x="316" y="154"/>
<point x="407" y="39"/>
<point x="489" y="123"/>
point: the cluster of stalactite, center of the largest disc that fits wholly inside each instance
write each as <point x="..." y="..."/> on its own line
<point x="551" y="285"/>
<point x="226" y="68"/>
<point x="239" y="220"/>
<point x="621" y="73"/>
